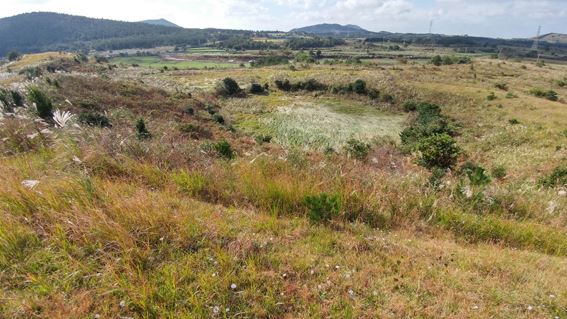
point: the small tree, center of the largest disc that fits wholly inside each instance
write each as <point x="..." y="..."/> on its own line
<point x="439" y="150"/>
<point x="13" y="56"/>
<point x="359" y="87"/>
<point x="228" y="87"/>
<point x="141" y="130"/>
<point x="42" y="102"/>
<point x="437" y="60"/>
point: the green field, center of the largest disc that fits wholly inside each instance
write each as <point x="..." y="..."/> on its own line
<point x="156" y="62"/>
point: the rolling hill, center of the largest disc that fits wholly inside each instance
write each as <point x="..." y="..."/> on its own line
<point x="554" y="38"/>
<point x="333" y="29"/>
<point x="47" y="31"/>
<point x="161" y="22"/>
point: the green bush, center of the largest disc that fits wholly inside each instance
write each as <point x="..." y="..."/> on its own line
<point x="323" y="207"/>
<point x="94" y="119"/>
<point x="513" y="121"/>
<point x="438" y="150"/>
<point x="410" y="106"/>
<point x="17" y="98"/>
<point x="13" y="56"/>
<point x="218" y="118"/>
<point x="550" y="95"/>
<point x="141" y="130"/>
<point x="256" y="88"/>
<point x="357" y="149"/>
<point x="491" y="96"/>
<point x="429" y="121"/>
<point x="557" y="178"/>
<point x="188" y="128"/>
<point x="309" y="85"/>
<point x="359" y="87"/>
<point x="499" y="172"/>
<point x="228" y="87"/>
<point x="42" y="102"/>
<point x="224" y="149"/>
<point x="477" y="174"/>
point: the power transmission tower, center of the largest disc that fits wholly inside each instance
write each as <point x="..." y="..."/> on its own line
<point x="535" y="47"/>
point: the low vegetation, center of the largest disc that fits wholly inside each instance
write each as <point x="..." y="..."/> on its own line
<point x="362" y="190"/>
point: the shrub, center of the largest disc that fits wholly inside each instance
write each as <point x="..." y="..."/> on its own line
<point x="511" y="95"/>
<point x="31" y="72"/>
<point x="428" y="122"/>
<point x="436" y="177"/>
<point x="373" y="94"/>
<point x="501" y="86"/>
<point x="513" y="122"/>
<point x="388" y="98"/>
<point x="557" y="178"/>
<point x="357" y="149"/>
<point x="410" y="106"/>
<point x="550" y="95"/>
<point x="224" y="149"/>
<point x="94" y="119"/>
<point x="42" y="102"/>
<point x="499" y="172"/>
<point x="261" y="139"/>
<point x="141" y="130"/>
<point x="359" y="87"/>
<point x="218" y="118"/>
<point x="438" y="150"/>
<point x="309" y="85"/>
<point x="13" y="56"/>
<point x="437" y="60"/>
<point x="491" y="96"/>
<point x="190" y="110"/>
<point x="323" y="207"/>
<point x="476" y="174"/>
<point x="256" y="88"/>
<point x="228" y="87"/>
<point x="284" y="85"/>
<point x="17" y="98"/>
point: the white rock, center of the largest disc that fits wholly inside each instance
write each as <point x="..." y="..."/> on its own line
<point x="30" y="183"/>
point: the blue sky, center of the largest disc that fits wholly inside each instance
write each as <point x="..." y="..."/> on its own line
<point x="496" y="18"/>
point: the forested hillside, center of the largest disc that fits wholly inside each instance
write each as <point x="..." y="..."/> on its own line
<point x="41" y="31"/>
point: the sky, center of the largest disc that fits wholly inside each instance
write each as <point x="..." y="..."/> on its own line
<point x="494" y="18"/>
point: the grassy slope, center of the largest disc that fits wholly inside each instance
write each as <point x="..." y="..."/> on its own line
<point x="167" y="230"/>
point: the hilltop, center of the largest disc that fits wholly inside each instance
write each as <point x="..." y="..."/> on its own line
<point x="554" y="38"/>
<point x="333" y="29"/>
<point x="161" y="22"/>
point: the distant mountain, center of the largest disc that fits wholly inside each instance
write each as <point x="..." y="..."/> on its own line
<point x="554" y="38"/>
<point x="327" y="29"/>
<point x="47" y="31"/>
<point x="161" y="22"/>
